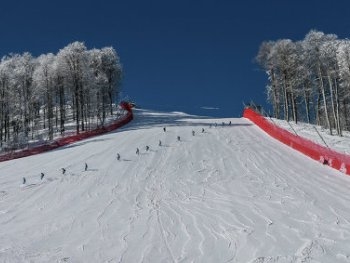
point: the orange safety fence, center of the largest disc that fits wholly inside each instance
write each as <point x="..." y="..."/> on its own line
<point x="315" y="151"/>
<point x="71" y="139"/>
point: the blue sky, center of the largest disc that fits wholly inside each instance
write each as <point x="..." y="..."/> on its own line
<point x="177" y="55"/>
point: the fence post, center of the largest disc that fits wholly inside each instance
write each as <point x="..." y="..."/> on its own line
<point x="320" y="136"/>
<point x="290" y="125"/>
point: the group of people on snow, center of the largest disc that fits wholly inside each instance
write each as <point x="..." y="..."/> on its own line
<point x="137" y="151"/>
<point x="24" y="180"/>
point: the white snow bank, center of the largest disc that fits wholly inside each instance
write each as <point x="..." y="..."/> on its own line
<point x="317" y="134"/>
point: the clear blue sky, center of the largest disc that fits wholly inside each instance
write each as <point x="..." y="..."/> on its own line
<point x="177" y="55"/>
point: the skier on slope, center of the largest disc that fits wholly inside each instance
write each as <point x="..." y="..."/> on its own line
<point x="147" y="148"/>
<point x="42" y="176"/>
<point x="24" y="180"/>
<point x="193" y="132"/>
<point x="86" y="166"/>
<point x="137" y="151"/>
<point x="118" y="156"/>
<point x="160" y="143"/>
<point x="63" y="170"/>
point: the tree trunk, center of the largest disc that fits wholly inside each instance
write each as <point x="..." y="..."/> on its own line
<point x="286" y="108"/>
<point x="81" y="99"/>
<point x="332" y="103"/>
<point x="324" y="100"/>
<point x="337" y="107"/>
<point x="276" y="107"/>
<point x="294" y="108"/>
<point x="49" y="109"/>
<point x="62" y="108"/>
<point x="345" y="113"/>
<point x="307" y="104"/>
<point x="76" y="108"/>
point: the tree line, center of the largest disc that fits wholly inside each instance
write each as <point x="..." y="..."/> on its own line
<point x="42" y="95"/>
<point x="309" y="80"/>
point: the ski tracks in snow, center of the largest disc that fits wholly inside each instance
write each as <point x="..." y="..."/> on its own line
<point x="229" y="194"/>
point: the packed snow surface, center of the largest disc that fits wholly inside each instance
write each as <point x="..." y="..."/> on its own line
<point x="228" y="194"/>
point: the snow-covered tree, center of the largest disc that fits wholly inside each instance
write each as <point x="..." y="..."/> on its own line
<point x="106" y="72"/>
<point x="343" y="59"/>
<point x="313" y="42"/>
<point x="35" y="92"/>
<point x="73" y="61"/>
<point x="312" y="72"/>
<point x="44" y="81"/>
<point x="328" y="58"/>
<point x="5" y="86"/>
<point x="265" y="60"/>
<point x="112" y="69"/>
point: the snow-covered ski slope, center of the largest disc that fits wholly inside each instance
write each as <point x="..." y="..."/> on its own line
<point x="230" y="194"/>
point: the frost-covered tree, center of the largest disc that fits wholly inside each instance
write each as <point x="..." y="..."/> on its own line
<point x="328" y="52"/>
<point x="73" y="62"/>
<point x="22" y="67"/>
<point x="265" y="60"/>
<point x="41" y="94"/>
<point x="312" y="43"/>
<point x="44" y="81"/>
<point x="284" y="54"/>
<point x="112" y="69"/>
<point x="306" y="80"/>
<point x="313" y="73"/>
<point x="343" y="60"/>
<point x="5" y="91"/>
<point x="18" y="94"/>
<point x="106" y="75"/>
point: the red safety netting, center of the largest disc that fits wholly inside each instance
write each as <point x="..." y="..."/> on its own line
<point x="71" y="139"/>
<point x="317" y="152"/>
